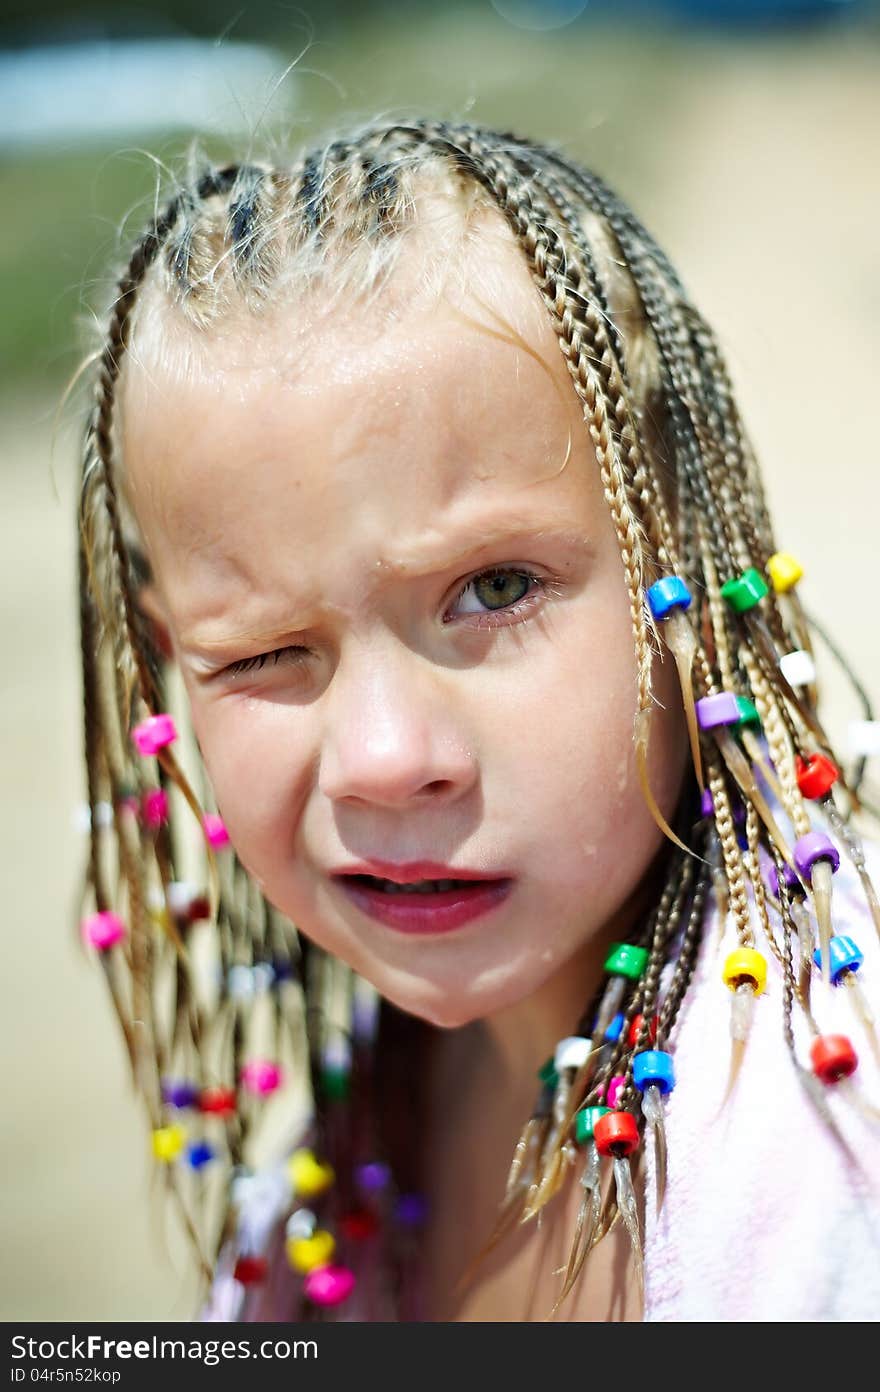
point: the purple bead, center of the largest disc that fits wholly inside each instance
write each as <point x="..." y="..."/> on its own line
<point x="717" y="710"/>
<point x="175" y="1094"/>
<point x="707" y="806"/>
<point x="791" y="880"/>
<point x="812" y="847"/>
<point x="411" y="1210"/>
<point x="373" y="1176"/>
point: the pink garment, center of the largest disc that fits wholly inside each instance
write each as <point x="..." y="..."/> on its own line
<point x="765" y="1219"/>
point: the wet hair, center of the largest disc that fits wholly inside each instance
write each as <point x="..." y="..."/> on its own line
<point x="686" y="499"/>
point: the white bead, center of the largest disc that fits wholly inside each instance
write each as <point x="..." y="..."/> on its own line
<point x="571" y="1053"/>
<point x="337" y="1052"/>
<point x="798" y="668"/>
<point x="240" y="982"/>
<point x="302" y="1223"/>
<point x="264" y="977"/>
<point x="863" y="738"/>
<point x="180" y="895"/>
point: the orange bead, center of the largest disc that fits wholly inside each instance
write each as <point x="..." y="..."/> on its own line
<point x="616" y="1134"/>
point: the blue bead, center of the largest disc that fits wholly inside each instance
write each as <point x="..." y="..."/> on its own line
<point x="653" y="1068"/>
<point x="615" y="1029"/>
<point x="844" y="956"/>
<point x="669" y="593"/>
<point x="198" y="1154"/>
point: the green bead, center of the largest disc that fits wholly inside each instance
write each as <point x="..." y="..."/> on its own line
<point x="335" y="1083"/>
<point x="626" y="960"/>
<point x="748" y="712"/>
<point x="746" y="592"/>
<point x="584" y="1122"/>
<point x="548" y="1075"/>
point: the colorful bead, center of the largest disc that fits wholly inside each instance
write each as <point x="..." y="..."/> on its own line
<point x="745" y="591"/>
<point x="218" y="1101"/>
<point x="200" y="1154"/>
<point x="707" y="806"/>
<point x="411" y="1210"/>
<point x="102" y="930"/>
<point x="186" y="902"/>
<point x="615" y="1028"/>
<point x="635" y="1029"/>
<point x="548" y="1075"/>
<point x="653" y="1068"/>
<point x="669" y="593"/>
<point x="585" y="1122"/>
<point x="616" y="1134"/>
<point x="833" y="1057"/>
<point x="250" y="1270"/>
<point x="812" y="847"/>
<point x="359" y="1225"/>
<point x="748" y="712"/>
<point x="215" y="831"/>
<point x="308" y="1175"/>
<point x="790" y="877"/>
<point x="571" y="1052"/>
<point x="615" y="1087"/>
<point x="261" y="1077"/>
<point x="179" y="1094"/>
<point x="721" y="709"/>
<point x="745" y="964"/>
<point x="844" y="955"/>
<point x="306" y="1253"/>
<point x="154" y="807"/>
<point x="626" y="960"/>
<point x="816" y="775"/>
<point x="798" y="668"/>
<point x="329" y="1285"/>
<point x="168" y="1142"/>
<point x="372" y="1176"/>
<point x="784" y="570"/>
<point x="154" y="734"/>
<point x="335" y="1084"/>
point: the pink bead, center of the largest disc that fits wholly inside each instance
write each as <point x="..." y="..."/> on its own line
<point x="615" y="1087"/>
<point x="155" y="807"/>
<point x="261" y="1077"/>
<point x="329" y="1285"/>
<point x="215" y="831"/>
<point x="102" y="930"/>
<point x="153" y="734"/>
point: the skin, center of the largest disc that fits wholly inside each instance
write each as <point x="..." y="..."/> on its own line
<point x="330" y="487"/>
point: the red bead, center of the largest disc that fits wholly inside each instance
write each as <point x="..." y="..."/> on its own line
<point x="358" y="1225"/>
<point x="218" y="1101"/>
<point x="816" y="775"/>
<point x="636" y="1026"/>
<point x="250" y="1271"/>
<point x="833" y="1057"/>
<point x="616" y="1134"/>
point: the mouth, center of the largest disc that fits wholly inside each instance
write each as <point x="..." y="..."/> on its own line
<point x="424" y="905"/>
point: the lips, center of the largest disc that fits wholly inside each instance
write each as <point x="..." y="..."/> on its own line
<point x="438" y="899"/>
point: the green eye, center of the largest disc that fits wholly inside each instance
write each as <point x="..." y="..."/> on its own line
<point x="496" y="589"/>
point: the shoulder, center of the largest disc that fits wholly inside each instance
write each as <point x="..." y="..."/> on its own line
<point x="773" y="1204"/>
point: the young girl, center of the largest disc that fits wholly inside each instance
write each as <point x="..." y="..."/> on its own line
<point x="414" y="468"/>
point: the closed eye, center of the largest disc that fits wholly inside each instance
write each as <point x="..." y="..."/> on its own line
<point x="294" y="655"/>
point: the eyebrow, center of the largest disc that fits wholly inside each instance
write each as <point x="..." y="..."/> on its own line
<point x="469" y="545"/>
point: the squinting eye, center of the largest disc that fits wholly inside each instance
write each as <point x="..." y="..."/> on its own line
<point x="296" y="656"/>
<point x="502" y="589"/>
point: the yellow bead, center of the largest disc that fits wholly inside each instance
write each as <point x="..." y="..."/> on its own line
<point x="309" y="1176"/>
<point x="305" y="1253"/>
<point x="168" y="1142"/>
<point x="746" y="965"/>
<point x="785" y="571"/>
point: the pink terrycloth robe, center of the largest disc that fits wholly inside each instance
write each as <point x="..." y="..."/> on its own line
<point x="765" y="1219"/>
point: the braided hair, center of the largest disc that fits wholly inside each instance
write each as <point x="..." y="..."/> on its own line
<point x="686" y="500"/>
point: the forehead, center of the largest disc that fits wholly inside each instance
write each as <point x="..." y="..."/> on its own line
<point x="439" y="407"/>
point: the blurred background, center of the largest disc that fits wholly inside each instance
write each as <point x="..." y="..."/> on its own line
<point x="745" y="136"/>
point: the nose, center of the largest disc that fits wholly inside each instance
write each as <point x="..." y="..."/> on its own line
<point x="393" y="736"/>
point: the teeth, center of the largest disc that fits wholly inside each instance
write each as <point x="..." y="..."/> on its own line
<point x="422" y="887"/>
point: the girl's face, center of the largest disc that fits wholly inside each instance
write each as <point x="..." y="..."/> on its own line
<point x="396" y="597"/>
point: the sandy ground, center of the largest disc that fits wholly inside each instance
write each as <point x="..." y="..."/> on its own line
<point x="768" y="200"/>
